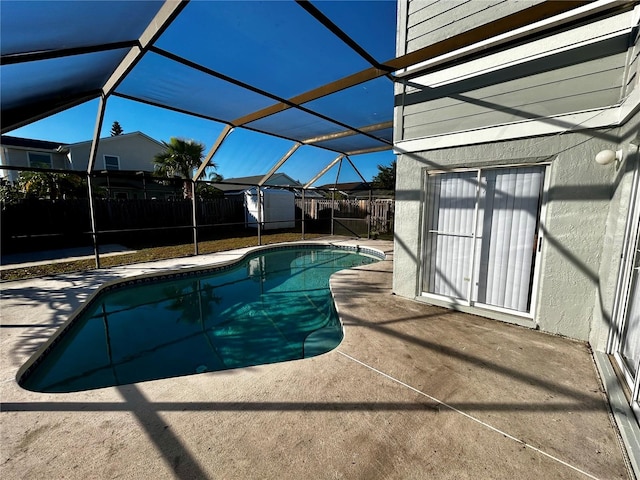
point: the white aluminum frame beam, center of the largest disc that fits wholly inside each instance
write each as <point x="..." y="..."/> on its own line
<point x="280" y="162"/>
<point x="167" y="13"/>
<point x="348" y="133"/>
<point x="214" y="149"/>
<point x="324" y="170"/>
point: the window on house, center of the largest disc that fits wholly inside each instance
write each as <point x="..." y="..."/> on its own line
<point x="111" y="162"/>
<point x="42" y="160"/>
<point x="482" y="236"/>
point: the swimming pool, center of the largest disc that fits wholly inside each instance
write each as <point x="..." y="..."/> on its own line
<point x="272" y="305"/>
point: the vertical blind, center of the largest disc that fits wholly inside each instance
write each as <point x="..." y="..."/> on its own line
<point x="630" y="347"/>
<point x="499" y="270"/>
<point x="450" y="231"/>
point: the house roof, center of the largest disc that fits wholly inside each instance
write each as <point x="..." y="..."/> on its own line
<point x="29" y="143"/>
<point x="339" y="97"/>
<point x="346" y="186"/>
<point x="242" y="183"/>
<point x="119" y="138"/>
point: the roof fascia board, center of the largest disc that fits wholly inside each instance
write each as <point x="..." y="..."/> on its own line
<point x="597" y="35"/>
<point x="324" y="170"/>
<point x="116" y="138"/>
<point x="166" y="14"/>
<point x="280" y="162"/>
<point x="435" y="55"/>
<point x="212" y="151"/>
<point x="521" y="19"/>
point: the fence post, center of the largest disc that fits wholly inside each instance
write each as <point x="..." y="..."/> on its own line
<point x="259" y="216"/>
<point x="304" y="207"/>
<point x="333" y="204"/>
<point x="195" y="216"/>
<point x="369" y="216"/>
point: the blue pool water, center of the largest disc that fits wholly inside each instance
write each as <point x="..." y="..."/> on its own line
<point x="271" y="306"/>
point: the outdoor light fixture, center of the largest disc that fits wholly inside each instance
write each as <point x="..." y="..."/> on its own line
<point x="605" y="157"/>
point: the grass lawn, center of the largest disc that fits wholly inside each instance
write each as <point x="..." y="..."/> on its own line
<point x="149" y="254"/>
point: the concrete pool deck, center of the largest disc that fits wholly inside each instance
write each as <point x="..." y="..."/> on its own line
<point x="412" y="392"/>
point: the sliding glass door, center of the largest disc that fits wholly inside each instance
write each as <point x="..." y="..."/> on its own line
<point x="625" y="331"/>
<point x="482" y="236"/>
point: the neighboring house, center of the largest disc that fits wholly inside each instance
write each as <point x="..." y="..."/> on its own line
<point x="127" y="161"/>
<point x="501" y="209"/>
<point x="25" y="152"/>
<point x="130" y="151"/>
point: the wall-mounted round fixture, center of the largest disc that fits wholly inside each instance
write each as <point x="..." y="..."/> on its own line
<point x="605" y="157"/>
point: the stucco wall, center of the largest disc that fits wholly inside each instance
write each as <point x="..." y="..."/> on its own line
<point x="577" y="210"/>
<point x="614" y="234"/>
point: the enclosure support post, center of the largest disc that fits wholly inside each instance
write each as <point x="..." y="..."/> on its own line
<point x="92" y="212"/>
<point x="194" y="205"/>
<point x="304" y="206"/>
<point x="93" y="153"/>
<point x="259" y="200"/>
<point x="369" y="217"/>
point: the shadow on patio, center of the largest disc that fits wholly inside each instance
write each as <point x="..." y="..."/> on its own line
<point x="413" y="391"/>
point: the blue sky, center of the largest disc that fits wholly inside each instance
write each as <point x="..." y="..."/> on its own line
<point x="243" y="153"/>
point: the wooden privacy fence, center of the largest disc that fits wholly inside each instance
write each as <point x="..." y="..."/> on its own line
<point x="72" y="218"/>
<point x="46" y="224"/>
<point x="380" y="210"/>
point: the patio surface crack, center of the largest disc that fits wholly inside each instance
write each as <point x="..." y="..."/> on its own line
<point x="470" y="417"/>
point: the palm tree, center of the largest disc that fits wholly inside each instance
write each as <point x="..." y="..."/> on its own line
<point x="180" y="159"/>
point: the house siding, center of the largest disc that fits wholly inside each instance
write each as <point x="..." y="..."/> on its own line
<point x="462" y="106"/>
<point x="431" y="22"/>
<point x="19" y="157"/>
<point x="632" y="76"/>
<point x="577" y="71"/>
<point x="572" y="71"/>
<point x="136" y="152"/>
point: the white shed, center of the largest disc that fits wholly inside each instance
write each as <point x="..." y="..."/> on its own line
<point x="278" y="208"/>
